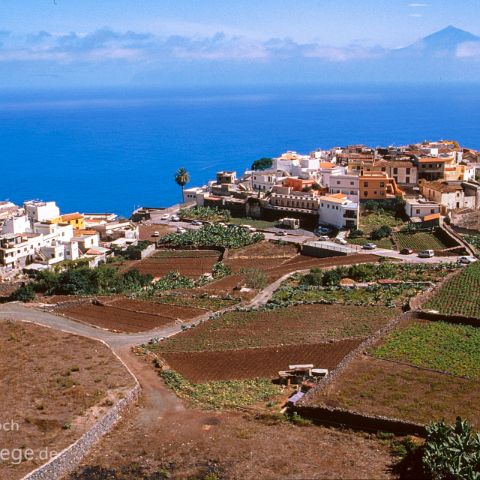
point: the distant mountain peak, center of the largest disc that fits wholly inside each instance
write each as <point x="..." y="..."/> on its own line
<point x="449" y="36"/>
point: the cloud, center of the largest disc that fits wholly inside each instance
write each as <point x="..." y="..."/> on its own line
<point x="106" y="45"/>
<point x="418" y="5"/>
<point x="468" y="50"/>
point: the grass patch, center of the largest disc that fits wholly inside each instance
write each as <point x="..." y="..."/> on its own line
<point x="460" y="295"/>
<point x="217" y="395"/>
<point x="373" y="220"/>
<point x="454" y="349"/>
<point x="381" y="243"/>
<point x="252" y="222"/>
<point x="207" y="302"/>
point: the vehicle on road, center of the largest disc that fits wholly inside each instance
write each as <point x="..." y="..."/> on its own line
<point x="280" y="233"/>
<point x="406" y="251"/>
<point x="196" y="222"/>
<point x="341" y="241"/>
<point x="322" y="230"/>
<point x="155" y="234"/>
<point x="369" y="246"/>
<point x="426" y="254"/>
<point x="323" y="238"/>
<point x="165" y="216"/>
<point x="175" y="218"/>
<point x="466" y="260"/>
<point x="180" y="230"/>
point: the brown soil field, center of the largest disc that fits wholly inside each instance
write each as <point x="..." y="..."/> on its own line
<point x="115" y="319"/>
<point x="256" y="362"/>
<point x="193" y="264"/>
<point x="53" y="386"/>
<point x="298" y="325"/>
<point x="172" y="311"/>
<point x="146" y="231"/>
<point x="380" y="387"/>
<point x="228" y="445"/>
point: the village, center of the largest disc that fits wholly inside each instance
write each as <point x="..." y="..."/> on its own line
<point x="323" y="291"/>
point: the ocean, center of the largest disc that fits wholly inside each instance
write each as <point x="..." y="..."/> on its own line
<point x="115" y="150"/>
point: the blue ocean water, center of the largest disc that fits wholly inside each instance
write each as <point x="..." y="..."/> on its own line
<point x="118" y="149"/>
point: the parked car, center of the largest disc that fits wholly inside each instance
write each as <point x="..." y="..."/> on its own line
<point x="406" y="251"/>
<point x="175" y="218"/>
<point x="322" y="230"/>
<point x="426" y="254"/>
<point x="369" y="246"/>
<point x="155" y="234"/>
<point x="467" y="260"/>
<point x="280" y="233"/>
<point x="323" y="238"/>
<point x="165" y="216"/>
<point x="252" y="230"/>
<point x="180" y="230"/>
<point x="196" y="222"/>
<point x="341" y="241"/>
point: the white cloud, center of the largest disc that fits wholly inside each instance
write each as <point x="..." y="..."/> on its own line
<point x="106" y="45"/>
<point x="468" y="50"/>
<point x="418" y="5"/>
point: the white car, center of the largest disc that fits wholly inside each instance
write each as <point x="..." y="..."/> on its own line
<point x="180" y="230"/>
<point x="280" y="233"/>
<point x="467" y="260"/>
<point x="252" y="230"/>
<point x="155" y="234"/>
<point x="196" y="222"/>
<point x="166" y="216"/>
<point x="323" y="238"/>
<point x="175" y="218"/>
<point x="341" y="241"/>
<point x="369" y="246"/>
<point x="426" y="254"/>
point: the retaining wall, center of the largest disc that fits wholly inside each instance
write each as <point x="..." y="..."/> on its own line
<point x="337" y="416"/>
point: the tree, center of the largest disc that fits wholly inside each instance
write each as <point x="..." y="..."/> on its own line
<point x="182" y="177"/>
<point x="262" y="163"/>
<point x="24" y="293"/>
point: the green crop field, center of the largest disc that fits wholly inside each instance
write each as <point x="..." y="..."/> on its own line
<point x="460" y="295"/>
<point x="450" y="348"/>
<point x="419" y="241"/>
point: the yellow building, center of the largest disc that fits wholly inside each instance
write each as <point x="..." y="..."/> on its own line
<point x="76" y="220"/>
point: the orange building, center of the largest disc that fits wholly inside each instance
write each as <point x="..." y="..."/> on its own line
<point x="377" y="186"/>
<point x="298" y="184"/>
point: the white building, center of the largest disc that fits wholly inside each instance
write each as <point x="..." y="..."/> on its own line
<point x="337" y="210"/>
<point x="346" y="184"/>
<point x="420" y="208"/>
<point x="14" y="225"/>
<point x="264" y="180"/>
<point x="41" y="211"/>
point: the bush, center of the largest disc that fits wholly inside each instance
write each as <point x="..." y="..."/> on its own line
<point x="220" y="270"/>
<point x="262" y="164"/>
<point x="133" y="252"/>
<point x="356" y="233"/>
<point x="452" y="451"/>
<point x="24" y="293"/>
<point x="382" y="232"/>
<point x="255" y="278"/>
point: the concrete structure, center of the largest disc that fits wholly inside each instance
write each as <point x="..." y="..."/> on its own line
<point x="337" y="210"/>
<point x="345" y="184"/>
<point x="38" y="211"/>
<point x="403" y="172"/>
<point x="264" y="180"/>
<point x="420" y="208"/>
<point x="76" y="220"/>
<point x="377" y="186"/>
<point x="452" y="195"/>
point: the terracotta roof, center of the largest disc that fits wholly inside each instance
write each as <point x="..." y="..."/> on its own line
<point x="433" y="160"/>
<point x="336" y="198"/>
<point x="433" y="216"/>
<point x="71" y="216"/>
<point x="442" y="187"/>
<point x="327" y="165"/>
<point x="79" y="233"/>
<point x="395" y="163"/>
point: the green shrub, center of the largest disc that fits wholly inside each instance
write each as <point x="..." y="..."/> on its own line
<point x="24" y="293"/>
<point x="255" y="278"/>
<point x="205" y="214"/>
<point x="220" y="270"/>
<point x="452" y="451"/>
<point x="382" y="232"/>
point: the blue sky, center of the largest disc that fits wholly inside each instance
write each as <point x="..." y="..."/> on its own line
<point x="68" y="39"/>
<point x="391" y="23"/>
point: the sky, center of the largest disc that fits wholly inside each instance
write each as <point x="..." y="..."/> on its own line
<point x="126" y="39"/>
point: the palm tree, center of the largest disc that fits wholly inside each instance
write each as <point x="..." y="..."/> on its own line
<point x="182" y="177"/>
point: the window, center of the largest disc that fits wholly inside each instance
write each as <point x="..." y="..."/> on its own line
<point x="365" y="184"/>
<point x="365" y="194"/>
<point x="352" y="183"/>
<point x="407" y="179"/>
<point x="338" y="182"/>
<point x="382" y="184"/>
<point x="408" y="171"/>
<point x="418" y="211"/>
<point x="395" y="171"/>
<point x="432" y="210"/>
